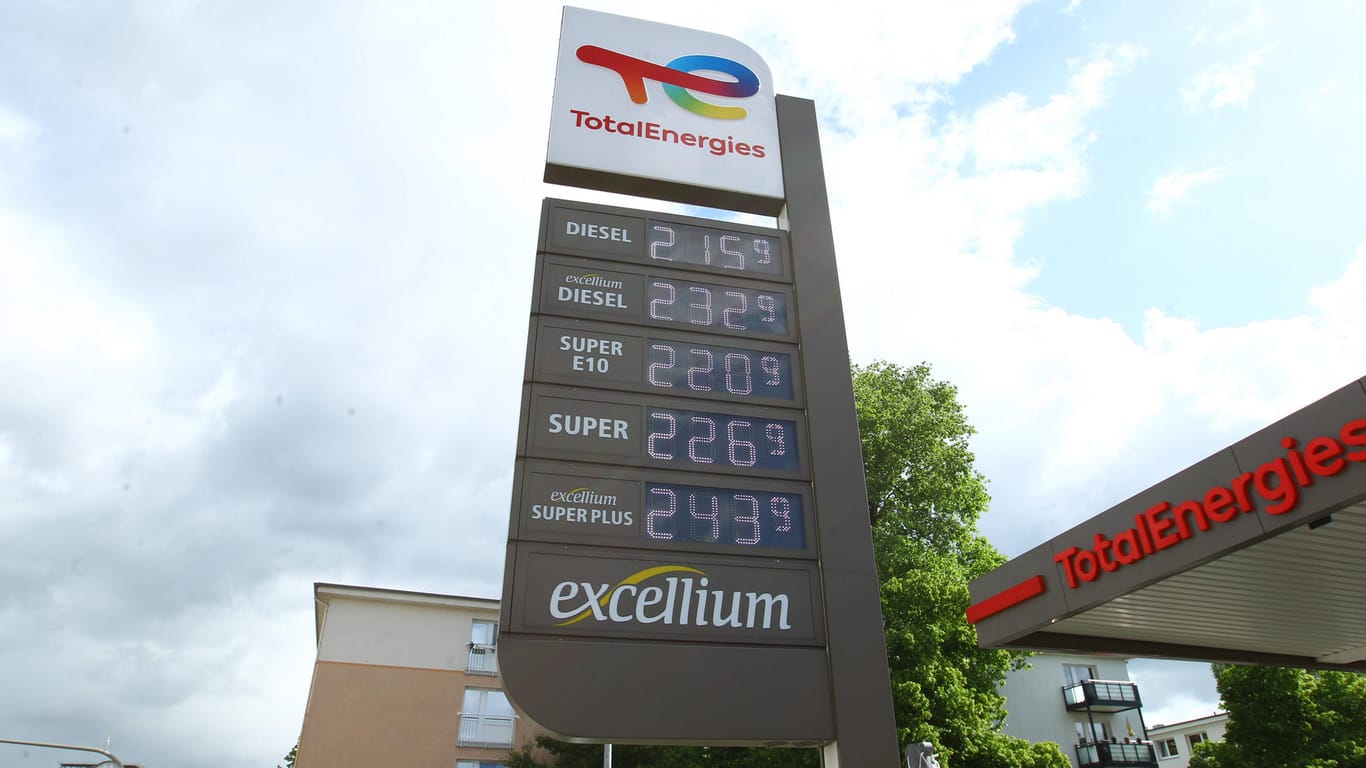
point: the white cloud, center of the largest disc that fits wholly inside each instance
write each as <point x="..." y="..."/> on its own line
<point x="1175" y="188"/>
<point x="1225" y="85"/>
<point x="13" y="126"/>
<point x="1255" y="24"/>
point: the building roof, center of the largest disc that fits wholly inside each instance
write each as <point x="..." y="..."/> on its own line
<point x="1194" y="721"/>
<point x="323" y="592"/>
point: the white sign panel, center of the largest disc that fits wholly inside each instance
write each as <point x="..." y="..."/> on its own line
<point x="663" y="111"/>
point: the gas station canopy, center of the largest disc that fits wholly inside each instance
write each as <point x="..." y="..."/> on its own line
<point x="1255" y="555"/>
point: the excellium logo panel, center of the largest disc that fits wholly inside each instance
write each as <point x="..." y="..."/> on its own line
<point x="625" y="596"/>
<point x="636" y="100"/>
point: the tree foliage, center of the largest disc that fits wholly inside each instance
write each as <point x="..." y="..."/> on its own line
<point x="1288" y="717"/>
<point x="924" y="501"/>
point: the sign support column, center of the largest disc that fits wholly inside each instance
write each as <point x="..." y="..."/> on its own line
<point x="865" y="728"/>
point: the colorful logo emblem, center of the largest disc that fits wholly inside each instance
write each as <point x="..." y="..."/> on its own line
<point x="678" y="79"/>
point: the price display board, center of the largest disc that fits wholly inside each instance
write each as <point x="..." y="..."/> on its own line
<point x="640" y="237"/>
<point x="663" y="490"/>
<point x="644" y="430"/>
<point x="663" y="510"/>
<point x="574" y="287"/>
<point x="664" y="408"/>
<point x="613" y="356"/>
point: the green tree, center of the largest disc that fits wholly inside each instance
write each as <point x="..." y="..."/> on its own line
<point x="1288" y="717"/>
<point x="925" y="498"/>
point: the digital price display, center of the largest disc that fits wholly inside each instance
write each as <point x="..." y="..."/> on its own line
<point x="626" y="429"/>
<point x="585" y="353"/>
<point x="654" y="239"/>
<point x="692" y="368"/>
<point x="710" y="247"/>
<point x="717" y="439"/>
<point x="728" y="516"/>
<point x="715" y="307"/>
<point x="573" y="287"/>
<point x="662" y="509"/>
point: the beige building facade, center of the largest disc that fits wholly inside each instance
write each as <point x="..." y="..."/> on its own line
<point x="1176" y="742"/>
<point x="406" y="679"/>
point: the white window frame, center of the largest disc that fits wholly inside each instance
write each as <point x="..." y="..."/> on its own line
<point x="479" y="727"/>
<point x="1069" y="673"/>
<point x="482" y="658"/>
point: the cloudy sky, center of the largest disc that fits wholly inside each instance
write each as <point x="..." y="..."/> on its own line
<point x="265" y="270"/>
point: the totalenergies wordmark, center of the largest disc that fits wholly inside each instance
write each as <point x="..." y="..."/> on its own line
<point x="1163" y="525"/>
<point x="641" y="129"/>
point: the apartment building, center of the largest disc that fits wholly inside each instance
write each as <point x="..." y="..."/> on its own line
<point x="406" y="678"/>
<point x="1085" y="704"/>
<point x="1176" y="741"/>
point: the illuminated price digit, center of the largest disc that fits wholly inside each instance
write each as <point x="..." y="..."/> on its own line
<point x="658" y="516"/>
<point x="656" y="244"/>
<point x="742" y="453"/>
<point x="658" y="304"/>
<point x="751" y="519"/>
<point x="770" y="307"/>
<point x="653" y="373"/>
<point x="781" y="509"/>
<point x="739" y="255"/>
<point x="710" y="516"/>
<point x="776" y="438"/>
<point x="736" y="325"/>
<point x="656" y="438"/>
<point x="772" y="368"/>
<point x="698" y="371"/>
<point x="705" y="306"/>
<point x="741" y="383"/>
<point x="698" y="441"/>
<point x="763" y="251"/>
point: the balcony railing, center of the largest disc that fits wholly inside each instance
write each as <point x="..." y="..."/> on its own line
<point x="1102" y="695"/>
<point x="487" y="730"/>
<point x="1133" y="754"/>
<point x="482" y="660"/>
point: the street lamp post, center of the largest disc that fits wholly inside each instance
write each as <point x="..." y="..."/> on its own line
<point x="109" y="755"/>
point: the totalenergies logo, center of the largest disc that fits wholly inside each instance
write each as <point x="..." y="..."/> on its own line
<point x="678" y="79"/>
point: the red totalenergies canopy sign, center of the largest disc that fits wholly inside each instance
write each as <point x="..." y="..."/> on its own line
<point x="1185" y="521"/>
<point x="1276" y="484"/>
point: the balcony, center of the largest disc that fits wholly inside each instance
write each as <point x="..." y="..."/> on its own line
<point x="1102" y="696"/>
<point x="487" y="730"/>
<point x="482" y="660"/>
<point x="1131" y="754"/>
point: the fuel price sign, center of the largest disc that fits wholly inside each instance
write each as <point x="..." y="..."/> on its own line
<point x="614" y="356"/>
<point x="573" y="287"/>
<point x="643" y="238"/>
